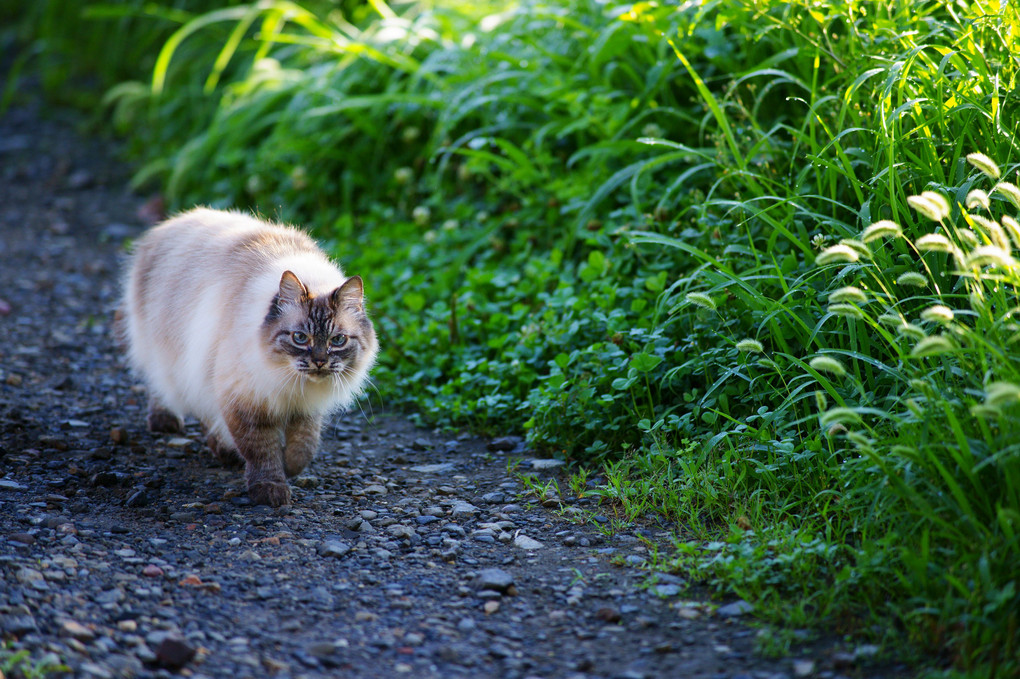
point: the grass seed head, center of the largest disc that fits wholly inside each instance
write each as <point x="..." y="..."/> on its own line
<point x="846" y="310"/>
<point x="933" y="346"/>
<point x="998" y="394"/>
<point x="937" y="313"/>
<point x="828" y="364"/>
<point x="912" y="278"/>
<point x="933" y="242"/>
<point x="911" y="330"/>
<point x="1012" y="227"/>
<point x="985" y="164"/>
<point x="1010" y="191"/>
<point x="881" y="229"/>
<point x="702" y="300"/>
<point x="848" y="294"/>
<point x="750" y="346"/>
<point x="821" y="401"/>
<point x="977" y="199"/>
<point x="860" y="246"/>
<point x="932" y="205"/>
<point x="837" y="254"/>
<point x="990" y="255"/>
<point x="840" y="415"/>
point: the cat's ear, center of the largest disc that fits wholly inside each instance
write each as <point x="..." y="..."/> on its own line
<point x="349" y="296"/>
<point x="292" y="290"/>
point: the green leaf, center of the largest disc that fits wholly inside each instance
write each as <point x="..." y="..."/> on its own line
<point x="644" y="361"/>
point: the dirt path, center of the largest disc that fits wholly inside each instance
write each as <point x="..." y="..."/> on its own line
<point x="406" y="552"/>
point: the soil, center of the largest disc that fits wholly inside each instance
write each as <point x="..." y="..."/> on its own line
<point x="405" y="552"/>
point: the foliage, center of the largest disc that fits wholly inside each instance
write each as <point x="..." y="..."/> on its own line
<point x="690" y="244"/>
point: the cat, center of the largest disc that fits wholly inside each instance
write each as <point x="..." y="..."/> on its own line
<point x="248" y="326"/>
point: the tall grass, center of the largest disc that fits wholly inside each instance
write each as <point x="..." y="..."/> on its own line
<point x="693" y="244"/>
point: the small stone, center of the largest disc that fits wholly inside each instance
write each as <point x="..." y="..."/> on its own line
<point x="666" y="590"/>
<point x="803" y="668"/>
<point x="494" y="579"/>
<point x="490" y="607"/>
<point x="152" y="571"/>
<point x="493" y="498"/>
<point x="505" y="444"/>
<point x="119" y="436"/>
<point x="865" y="651"/>
<point x="401" y="532"/>
<point x="307" y="481"/>
<point x="174" y="653"/>
<point x="463" y="510"/>
<point x="28" y="575"/>
<point x="129" y="626"/>
<point x="524" y="542"/>
<point x="13" y="379"/>
<point x="17" y="624"/>
<point x="333" y="549"/>
<point x="77" y="631"/>
<point x="22" y="538"/>
<point x="179" y="442"/>
<point x="375" y="489"/>
<point x="441" y="468"/>
<point x="9" y="484"/>
<point x="735" y="609"/>
<point x="543" y="464"/>
<point x="609" y="614"/>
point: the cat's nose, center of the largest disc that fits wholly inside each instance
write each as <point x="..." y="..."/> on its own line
<point x="318" y="362"/>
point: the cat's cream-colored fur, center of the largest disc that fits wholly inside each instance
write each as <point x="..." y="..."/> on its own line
<point x="209" y="311"/>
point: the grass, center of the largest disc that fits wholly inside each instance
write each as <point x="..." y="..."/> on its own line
<point x="735" y="261"/>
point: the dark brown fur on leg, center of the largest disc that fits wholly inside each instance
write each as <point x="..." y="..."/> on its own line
<point x="260" y="442"/>
<point x="302" y="442"/>
<point x="162" y="420"/>
<point x="224" y="452"/>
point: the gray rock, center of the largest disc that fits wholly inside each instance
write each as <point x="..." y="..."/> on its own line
<point x="18" y="624"/>
<point x="524" y="542"/>
<point x="494" y="579"/>
<point x="505" y="444"/>
<point x="440" y="468"/>
<point x="174" y="653"/>
<point x="735" y="609"/>
<point x="333" y="549"/>
<point x="463" y="510"/>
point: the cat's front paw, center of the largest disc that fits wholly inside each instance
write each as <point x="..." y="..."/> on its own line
<point x="161" y="420"/>
<point x="272" y="493"/>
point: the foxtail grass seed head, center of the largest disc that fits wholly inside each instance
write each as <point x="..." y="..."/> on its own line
<point x="827" y="364"/>
<point x="914" y="408"/>
<point x="421" y="215"/>
<point x="967" y="238"/>
<point x="922" y="387"/>
<point x="937" y="313"/>
<point x="912" y="278"/>
<point x="750" y="346"/>
<point x="403" y="175"/>
<point x="821" y="401"/>
<point x="881" y="229"/>
<point x="932" y="346"/>
<point x="985" y="164"/>
<point x="910" y="330"/>
<point x="998" y="394"/>
<point x="839" y="415"/>
<point x="932" y="205"/>
<point x="835" y="430"/>
<point x="990" y="255"/>
<point x="849" y="294"/>
<point x="891" y="318"/>
<point x="1010" y="191"/>
<point x="837" y="254"/>
<point x="933" y="242"/>
<point x="1012" y="227"/>
<point x="860" y="441"/>
<point x="977" y="199"/>
<point x="860" y="246"/>
<point x="985" y="411"/>
<point x="846" y="310"/>
<point x="702" y="300"/>
<point x="768" y="363"/>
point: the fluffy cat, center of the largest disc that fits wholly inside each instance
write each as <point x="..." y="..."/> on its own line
<point x="249" y="327"/>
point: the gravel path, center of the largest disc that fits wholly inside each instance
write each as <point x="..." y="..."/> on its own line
<point x="405" y="552"/>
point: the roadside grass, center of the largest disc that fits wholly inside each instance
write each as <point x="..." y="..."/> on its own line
<point x="736" y="260"/>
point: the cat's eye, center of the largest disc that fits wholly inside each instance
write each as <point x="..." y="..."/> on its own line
<point x="337" y="341"/>
<point x="299" y="338"/>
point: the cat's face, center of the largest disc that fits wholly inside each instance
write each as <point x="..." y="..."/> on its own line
<point x="321" y="338"/>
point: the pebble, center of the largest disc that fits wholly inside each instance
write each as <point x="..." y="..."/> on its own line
<point x="524" y="542"/>
<point x="174" y="653"/>
<point x="77" y="631"/>
<point x="803" y="668"/>
<point x="735" y="609"/>
<point x="494" y="579"/>
<point x="505" y="444"/>
<point x="333" y="549"/>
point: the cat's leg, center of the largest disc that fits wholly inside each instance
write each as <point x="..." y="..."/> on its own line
<point x="222" y="447"/>
<point x="259" y="440"/>
<point x="162" y="419"/>
<point x="302" y="442"/>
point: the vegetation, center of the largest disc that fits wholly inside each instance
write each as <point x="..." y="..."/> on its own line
<point x="751" y="265"/>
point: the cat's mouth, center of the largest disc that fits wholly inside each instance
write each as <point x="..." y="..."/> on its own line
<point x="317" y="374"/>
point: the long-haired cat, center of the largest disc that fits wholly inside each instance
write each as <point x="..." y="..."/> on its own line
<point x="249" y="327"/>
